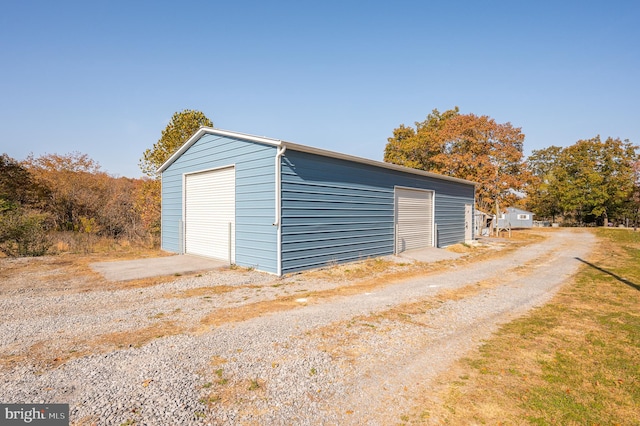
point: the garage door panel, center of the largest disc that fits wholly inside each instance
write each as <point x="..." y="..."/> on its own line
<point x="414" y="219"/>
<point x="209" y="209"/>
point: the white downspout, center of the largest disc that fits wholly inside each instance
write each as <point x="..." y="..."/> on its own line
<point x="278" y="211"/>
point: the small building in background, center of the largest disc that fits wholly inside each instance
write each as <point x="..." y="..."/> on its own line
<point x="515" y="218"/>
<point x="482" y="224"/>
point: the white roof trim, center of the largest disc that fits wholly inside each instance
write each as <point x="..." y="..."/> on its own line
<point x="303" y="148"/>
<point x="210" y="130"/>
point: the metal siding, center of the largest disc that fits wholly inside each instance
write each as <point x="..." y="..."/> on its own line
<point x="450" y="219"/>
<point x="336" y="210"/>
<point x="511" y="218"/>
<point x="255" y="182"/>
<point x="332" y="212"/>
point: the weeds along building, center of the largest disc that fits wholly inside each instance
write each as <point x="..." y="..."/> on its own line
<point x="282" y="207"/>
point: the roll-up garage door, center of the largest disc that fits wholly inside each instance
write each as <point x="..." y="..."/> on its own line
<point x="210" y="213"/>
<point x="414" y="219"/>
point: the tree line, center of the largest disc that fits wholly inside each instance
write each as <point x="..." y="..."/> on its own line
<point x="69" y="198"/>
<point x="67" y="202"/>
<point x="590" y="182"/>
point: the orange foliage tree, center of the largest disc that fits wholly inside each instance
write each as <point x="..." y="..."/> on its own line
<point x="72" y="185"/>
<point x="465" y="146"/>
<point x="81" y="197"/>
<point x="147" y="206"/>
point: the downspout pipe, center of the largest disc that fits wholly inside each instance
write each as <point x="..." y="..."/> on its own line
<point x="278" y="208"/>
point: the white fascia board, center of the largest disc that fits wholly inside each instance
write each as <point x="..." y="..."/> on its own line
<point x="211" y="131"/>
<point x="304" y="148"/>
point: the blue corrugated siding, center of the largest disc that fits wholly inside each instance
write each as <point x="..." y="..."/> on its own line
<point x="337" y="211"/>
<point x="255" y="234"/>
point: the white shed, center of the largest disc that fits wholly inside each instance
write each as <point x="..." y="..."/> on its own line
<point x="515" y="218"/>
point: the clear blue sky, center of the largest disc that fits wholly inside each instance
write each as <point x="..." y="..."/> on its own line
<point x="104" y="77"/>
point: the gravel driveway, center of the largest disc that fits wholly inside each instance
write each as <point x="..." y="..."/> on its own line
<point x="355" y="359"/>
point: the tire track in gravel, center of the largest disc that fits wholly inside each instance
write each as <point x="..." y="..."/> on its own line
<point x="382" y="388"/>
<point x="380" y="364"/>
<point x="342" y="360"/>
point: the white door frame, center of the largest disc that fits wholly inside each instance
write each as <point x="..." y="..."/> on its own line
<point x="395" y="214"/>
<point x="232" y="254"/>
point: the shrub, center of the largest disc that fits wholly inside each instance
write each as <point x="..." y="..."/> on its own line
<point x="24" y="233"/>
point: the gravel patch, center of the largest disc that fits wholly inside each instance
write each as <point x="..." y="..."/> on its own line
<point x="330" y="361"/>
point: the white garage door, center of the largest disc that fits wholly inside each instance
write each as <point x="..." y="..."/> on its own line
<point x="414" y="219"/>
<point x="210" y="200"/>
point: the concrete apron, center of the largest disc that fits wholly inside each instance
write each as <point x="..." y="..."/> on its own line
<point x="428" y="254"/>
<point x="125" y="270"/>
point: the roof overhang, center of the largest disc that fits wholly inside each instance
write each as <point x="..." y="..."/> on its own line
<point x="301" y="148"/>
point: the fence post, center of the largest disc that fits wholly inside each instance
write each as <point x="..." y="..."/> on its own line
<point x="395" y="241"/>
<point x="435" y="235"/>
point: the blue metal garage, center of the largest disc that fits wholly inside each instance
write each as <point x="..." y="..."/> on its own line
<point x="282" y="207"/>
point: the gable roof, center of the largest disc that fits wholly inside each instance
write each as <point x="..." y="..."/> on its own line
<point x="301" y="148"/>
<point x="517" y="210"/>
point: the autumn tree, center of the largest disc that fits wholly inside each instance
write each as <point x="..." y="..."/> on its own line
<point x="81" y="197"/>
<point x="465" y="146"/>
<point x="23" y="229"/>
<point x="16" y="185"/>
<point x="180" y="128"/>
<point x="116" y="215"/>
<point x="147" y="207"/>
<point x="69" y="199"/>
<point x="73" y="184"/>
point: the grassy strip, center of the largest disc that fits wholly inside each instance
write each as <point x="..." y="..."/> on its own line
<point x="574" y="361"/>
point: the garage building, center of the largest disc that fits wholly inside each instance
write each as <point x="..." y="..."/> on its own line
<point x="282" y="207"/>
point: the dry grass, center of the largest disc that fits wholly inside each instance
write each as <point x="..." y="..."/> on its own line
<point x="367" y="268"/>
<point x="204" y="291"/>
<point x="253" y="310"/>
<point x="574" y="361"/>
<point x="462" y="248"/>
<point x="137" y="337"/>
<point x="357" y="278"/>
